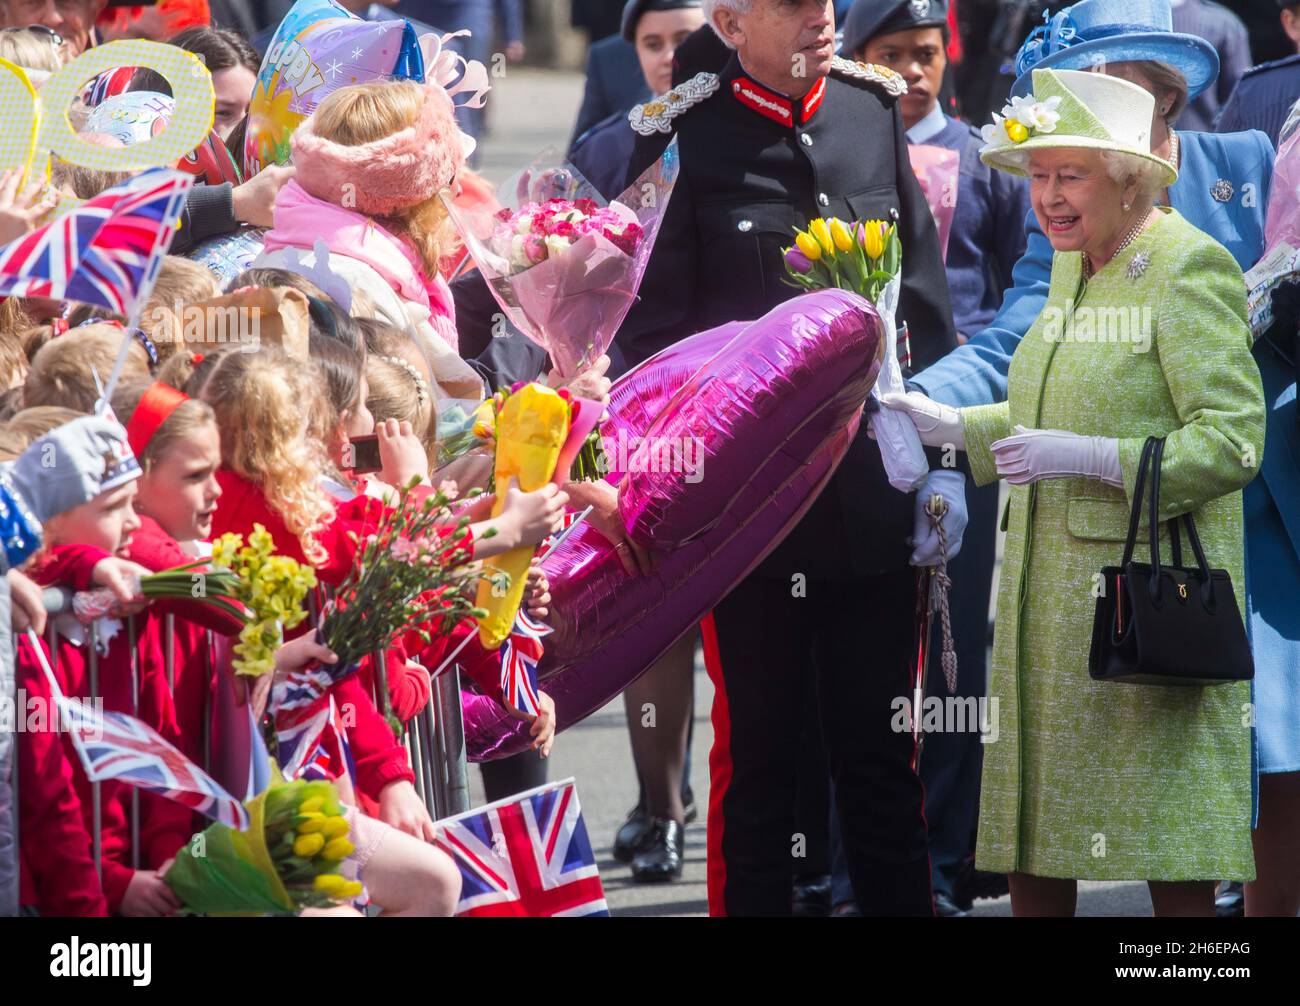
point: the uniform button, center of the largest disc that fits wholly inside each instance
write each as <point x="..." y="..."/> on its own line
<point x="805" y="139"/>
<point x="745" y="225"/>
<point x="893" y="213"/>
<point x="824" y="199"/>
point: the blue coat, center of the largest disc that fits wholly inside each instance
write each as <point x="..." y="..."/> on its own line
<point x="976" y="374"/>
<point x="614" y="83"/>
<point x="602" y="154"/>
<point x="987" y="238"/>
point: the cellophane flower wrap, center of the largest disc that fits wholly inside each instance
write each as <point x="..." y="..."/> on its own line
<point x="531" y="426"/>
<point x="1280" y="262"/>
<point x="866" y="257"/>
<point x="562" y="262"/>
<point x="411" y="573"/>
<point x="292" y="856"/>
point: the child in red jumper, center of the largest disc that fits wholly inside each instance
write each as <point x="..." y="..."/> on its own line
<point x="267" y="407"/>
<point x="79" y="542"/>
<point x="175" y="439"/>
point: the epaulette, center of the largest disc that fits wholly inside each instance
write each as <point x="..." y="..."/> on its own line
<point x="892" y="82"/>
<point x="657" y="114"/>
<point x="1262" y="68"/>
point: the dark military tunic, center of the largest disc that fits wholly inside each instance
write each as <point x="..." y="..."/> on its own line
<point x="825" y="621"/>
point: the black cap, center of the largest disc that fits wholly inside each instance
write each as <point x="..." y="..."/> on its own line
<point x="869" y="18"/>
<point x="633" y="10"/>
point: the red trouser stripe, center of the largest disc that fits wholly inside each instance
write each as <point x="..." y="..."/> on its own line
<point x="719" y="769"/>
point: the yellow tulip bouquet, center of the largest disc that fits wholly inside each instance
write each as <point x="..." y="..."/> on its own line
<point x="290" y="857"/>
<point x="866" y="258"/>
<point x="862" y="257"/>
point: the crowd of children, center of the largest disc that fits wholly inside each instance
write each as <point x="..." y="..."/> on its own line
<point x="203" y="438"/>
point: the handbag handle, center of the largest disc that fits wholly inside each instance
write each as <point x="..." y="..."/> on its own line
<point x="1135" y="512"/>
<point x="1203" y="567"/>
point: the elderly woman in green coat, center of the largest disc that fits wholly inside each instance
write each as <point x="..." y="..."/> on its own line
<point x="1144" y="334"/>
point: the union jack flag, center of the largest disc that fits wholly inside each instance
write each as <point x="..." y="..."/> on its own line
<point x="525" y="856"/>
<point x="520" y="654"/>
<point x="107" y="251"/>
<point x="311" y="739"/>
<point x="118" y="746"/>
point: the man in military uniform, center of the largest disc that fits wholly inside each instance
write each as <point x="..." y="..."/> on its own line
<point x="785" y="133"/>
<point x="1263" y="97"/>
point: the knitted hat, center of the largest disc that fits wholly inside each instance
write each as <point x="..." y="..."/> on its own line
<point x="389" y="174"/>
<point x="72" y="464"/>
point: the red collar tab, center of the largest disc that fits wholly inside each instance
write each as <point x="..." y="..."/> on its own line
<point x="778" y="107"/>
<point x="812" y="100"/>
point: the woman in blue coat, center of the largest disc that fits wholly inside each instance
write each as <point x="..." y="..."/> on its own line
<point x="1222" y="188"/>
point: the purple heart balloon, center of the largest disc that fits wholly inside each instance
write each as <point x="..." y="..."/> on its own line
<point x="789" y="389"/>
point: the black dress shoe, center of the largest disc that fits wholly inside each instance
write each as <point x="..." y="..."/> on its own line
<point x="661" y="860"/>
<point x="632" y="835"/>
<point x="971" y="885"/>
<point x="811" y="897"/>
<point x="946" y="908"/>
<point x="1230" y="900"/>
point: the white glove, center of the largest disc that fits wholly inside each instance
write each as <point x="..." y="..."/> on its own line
<point x="1029" y="455"/>
<point x="951" y="485"/>
<point x="937" y="425"/>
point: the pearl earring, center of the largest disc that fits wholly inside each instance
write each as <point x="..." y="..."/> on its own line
<point x="1127" y="206"/>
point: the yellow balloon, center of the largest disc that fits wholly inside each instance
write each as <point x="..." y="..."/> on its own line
<point x="34" y="125"/>
<point x="190" y="123"/>
<point x="21" y="117"/>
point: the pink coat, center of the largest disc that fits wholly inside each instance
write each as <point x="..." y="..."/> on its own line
<point x="370" y="258"/>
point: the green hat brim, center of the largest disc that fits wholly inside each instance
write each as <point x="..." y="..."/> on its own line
<point x="1001" y="157"/>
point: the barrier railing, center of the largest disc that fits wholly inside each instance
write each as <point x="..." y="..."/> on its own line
<point x="434" y="738"/>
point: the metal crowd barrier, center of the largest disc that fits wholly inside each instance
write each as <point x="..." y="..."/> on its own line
<point x="434" y="738"/>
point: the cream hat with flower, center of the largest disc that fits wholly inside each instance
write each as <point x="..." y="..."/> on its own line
<point x="1073" y="108"/>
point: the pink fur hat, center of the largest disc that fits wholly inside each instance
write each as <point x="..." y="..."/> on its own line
<point x="391" y="174"/>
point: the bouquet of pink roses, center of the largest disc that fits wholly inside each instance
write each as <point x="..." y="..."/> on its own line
<point x="538" y="231"/>
<point x="563" y="264"/>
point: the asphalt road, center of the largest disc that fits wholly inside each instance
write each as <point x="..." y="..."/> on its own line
<point x="530" y="110"/>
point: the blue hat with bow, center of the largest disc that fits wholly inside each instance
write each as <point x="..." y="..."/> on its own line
<point x="1093" y="32"/>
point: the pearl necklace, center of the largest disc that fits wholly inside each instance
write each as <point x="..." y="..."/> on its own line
<point x="1173" y="149"/>
<point x="1133" y="232"/>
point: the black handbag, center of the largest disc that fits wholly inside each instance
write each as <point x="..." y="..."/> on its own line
<point x="1166" y="625"/>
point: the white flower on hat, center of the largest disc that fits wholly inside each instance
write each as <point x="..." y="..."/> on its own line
<point x="995" y="132"/>
<point x="1037" y="116"/>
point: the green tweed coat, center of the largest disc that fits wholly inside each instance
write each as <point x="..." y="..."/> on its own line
<point x="1108" y="781"/>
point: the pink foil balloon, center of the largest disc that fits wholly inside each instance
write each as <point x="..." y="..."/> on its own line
<point x="773" y="406"/>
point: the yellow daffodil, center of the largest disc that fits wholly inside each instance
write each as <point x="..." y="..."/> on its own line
<point x="819" y="230"/>
<point x="840" y="235"/>
<point x="338" y="848"/>
<point x="808" y="246"/>
<point x="307" y="846"/>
